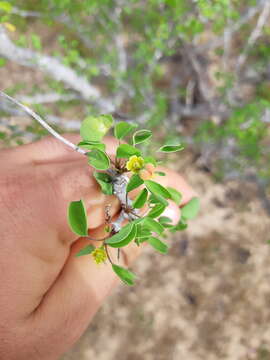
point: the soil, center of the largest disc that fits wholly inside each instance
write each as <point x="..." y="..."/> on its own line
<point x="208" y="299"/>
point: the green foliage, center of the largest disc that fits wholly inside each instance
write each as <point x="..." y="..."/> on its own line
<point x="122" y="129"/>
<point x="141" y="136"/>
<point x="171" y="148"/>
<point x="191" y="209"/>
<point x="157" y="189"/>
<point x="94" y="128"/>
<point x="157" y="210"/>
<point x="126" y="151"/>
<point x="134" y="182"/>
<point x="141" y="199"/>
<point x="175" y="195"/>
<point x="77" y="218"/>
<point x="98" y="159"/>
<point x="158" y="245"/>
<point x="123" y="237"/>
<point x="152" y="198"/>
<point x="125" y="275"/>
<point x="105" y="182"/>
<point x="86" y="251"/>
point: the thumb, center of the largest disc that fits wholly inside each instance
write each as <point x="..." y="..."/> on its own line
<point x="79" y="291"/>
<point x="173" y="212"/>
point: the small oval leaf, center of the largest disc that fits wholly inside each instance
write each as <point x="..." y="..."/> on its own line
<point x="157" y="189"/>
<point x="92" y="145"/>
<point x="141" y="136"/>
<point x="153" y="225"/>
<point x="123" y="237"/>
<point x="140" y="199"/>
<point x="94" y="128"/>
<point x="98" y="159"/>
<point x="171" y="148"/>
<point x="125" y="275"/>
<point x="134" y="182"/>
<point x="176" y="196"/>
<point x="77" y="218"/>
<point x="126" y="150"/>
<point x="86" y="251"/>
<point x="105" y="182"/>
<point x="156" y="211"/>
<point x="191" y="209"/>
<point x="158" y="245"/>
<point x="123" y="128"/>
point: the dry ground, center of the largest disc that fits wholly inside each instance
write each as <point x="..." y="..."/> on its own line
<point x="207" y="300"/>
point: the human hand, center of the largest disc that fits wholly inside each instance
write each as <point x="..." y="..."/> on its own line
<point x="48" y="296"/>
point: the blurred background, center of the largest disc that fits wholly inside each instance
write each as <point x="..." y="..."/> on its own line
<point x="198" y="70"/>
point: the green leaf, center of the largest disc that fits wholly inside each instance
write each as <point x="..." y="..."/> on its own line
<point x="90" y="145"/>
<point x="191" y="209"/>
<point x="125" y="275"/>
<point x="157" y="210"/>
<point x="94" y="128"/>
<point x="98" y="159"/>
<point x="164" y="219"/>
<point x="86" y="251"/>
<point x="176" y="196"/>
<point x="182" y="225"/>
<point x="141" y="136"/>
<point x="157" y="189"/>
<point x="123" y="237"/>
<point x="160" y="173"/>
<point x="77" y="218"/>
<point x="134" y="182"/>
<point x="153" y="225"/>
<point x="142" y="233"/>
<point x="165" y="222"/>
<point x="157" y="199"/>
<point x="105" y="182"/>
<point x="158" y="245"/>
<point x="5" y="6"/>
<point x="171" y="148"/>
<point x="126" y="150"/>
<point x="140" y="199"/>
<point x="123" y="128"/>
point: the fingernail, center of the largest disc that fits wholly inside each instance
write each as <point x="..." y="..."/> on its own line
<point x="172" y="212"/>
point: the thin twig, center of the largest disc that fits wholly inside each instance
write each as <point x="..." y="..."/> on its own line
<point x="44" y="124"/>
<point x="256" y="33"/>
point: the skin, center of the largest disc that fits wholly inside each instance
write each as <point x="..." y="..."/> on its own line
<point x="48" y="296"/>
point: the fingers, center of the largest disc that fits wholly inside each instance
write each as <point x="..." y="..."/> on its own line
<point x="50" y="149"/>
<point x="77" y="294"/>
<point x="67" y="182"/>
<point x="173" y="179"/>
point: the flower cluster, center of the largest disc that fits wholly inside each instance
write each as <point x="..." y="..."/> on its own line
<point x="99" y="255"/>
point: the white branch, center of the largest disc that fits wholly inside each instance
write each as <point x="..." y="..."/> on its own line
<point x="54" y="68"/>
<point x="256" y="33"/>
<point x="251" y="13"/>
<point x="25" y="13"/>
<point x="119" y="181"/>
<point x="44" y="124"/>
<point x="47" y="98"/>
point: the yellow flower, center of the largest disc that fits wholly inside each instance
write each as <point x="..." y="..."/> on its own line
<point x="99" y="255"/>
<point x="135" y="163"/>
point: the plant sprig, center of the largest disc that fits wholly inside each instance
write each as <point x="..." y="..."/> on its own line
<point x="112" y="177"/>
